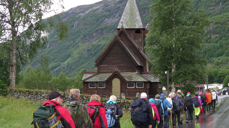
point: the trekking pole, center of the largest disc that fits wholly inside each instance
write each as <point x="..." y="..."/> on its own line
<point x="171" y="118"/>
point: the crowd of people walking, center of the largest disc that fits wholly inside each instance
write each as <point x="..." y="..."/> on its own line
<point x="158" y="111"/>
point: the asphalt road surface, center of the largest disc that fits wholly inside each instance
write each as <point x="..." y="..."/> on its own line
<point x="218" y="119"/>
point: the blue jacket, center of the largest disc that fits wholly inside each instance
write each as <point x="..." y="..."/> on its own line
<point x="162" y="107"/>
<point x="166" y="104"/>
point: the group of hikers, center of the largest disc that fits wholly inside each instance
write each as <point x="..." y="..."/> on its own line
<point x="144" y="113"/>
<point x="158" y="111"/>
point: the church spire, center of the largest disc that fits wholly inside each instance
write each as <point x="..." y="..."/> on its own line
<point x="131" y="17"/>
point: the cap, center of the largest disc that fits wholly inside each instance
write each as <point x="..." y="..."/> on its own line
<point x="200" y="93"/>
<point x="143" y="95"/>
<point x="196" y="94"/>
<point x="179" y="91"/>
<point x="151" y="100"/>
<point x="162" y="95"/>
<point x="189" y="93"/>
<point x="203" y="91"/>
<point x="54" y="95"/>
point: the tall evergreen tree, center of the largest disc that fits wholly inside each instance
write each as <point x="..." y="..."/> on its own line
<point x="173" y="40"/>
<point x="22" y="29"/>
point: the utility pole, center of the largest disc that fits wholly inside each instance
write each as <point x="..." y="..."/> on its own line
<point x="167" y="72"/>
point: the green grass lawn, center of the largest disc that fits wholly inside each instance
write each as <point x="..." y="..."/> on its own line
<point x="16" y="113"/>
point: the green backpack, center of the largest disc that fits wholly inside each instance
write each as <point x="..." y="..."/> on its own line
<point x="46" y="117"/>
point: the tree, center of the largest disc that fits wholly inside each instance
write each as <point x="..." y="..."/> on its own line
<point x="22" y="30"/>
<point x="226" y="81"/>
<point x="174" y="37"/>
<point x="78" y="81"/>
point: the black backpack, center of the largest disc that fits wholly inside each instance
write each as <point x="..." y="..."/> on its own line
<point x="188" y="102"/>
<point x="196" y="102"/>
<point x="203" y="98"/>
<point x="138" y="111"/>
<point x="176" y="103"/>
<point x="159" y="108"/>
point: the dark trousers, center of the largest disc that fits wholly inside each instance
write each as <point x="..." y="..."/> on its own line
<point x="204" y="106"/>
<point x="160" y="125"/>
<point x="166" y="121"/>
<point x="209" y="106"/>
<point x="189" y="114"/>
<point x="175" y="115"/>
<point x="154" y="123"/>
<point x="213" y="104"/>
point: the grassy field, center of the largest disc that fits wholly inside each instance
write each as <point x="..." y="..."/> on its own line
<point x="15" y="113"/>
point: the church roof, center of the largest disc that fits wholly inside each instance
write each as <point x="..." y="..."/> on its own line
<point x="128" y="76"/>
<point x="131" y="17"/>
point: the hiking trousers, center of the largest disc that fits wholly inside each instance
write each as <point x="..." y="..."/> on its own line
<point x="160" y="125"/>
<point x="213" y="104"/>
<point x="175" y="115"/>
<point x="166" y="121"/>
<point x="197" y="111"/>
<point x="189" y="114"/>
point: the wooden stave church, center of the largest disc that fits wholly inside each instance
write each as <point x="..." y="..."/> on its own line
<point x="123" y="66"/>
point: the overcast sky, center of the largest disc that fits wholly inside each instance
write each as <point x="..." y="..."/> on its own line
<point x="67" y="5"/>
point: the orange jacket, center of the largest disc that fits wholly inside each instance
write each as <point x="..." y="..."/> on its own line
<point x="209" y="97"/>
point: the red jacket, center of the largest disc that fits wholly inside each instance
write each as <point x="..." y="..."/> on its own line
<point x="155" y="111"/>
<point x="65" y="118"/>
<point x="101" y="119"/>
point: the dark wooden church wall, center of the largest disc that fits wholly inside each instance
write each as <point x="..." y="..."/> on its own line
<point x="134" y="49"/>
<point x="153" y="89"/>
<point x="117" y="58"/>
<point x="100" y="91"/>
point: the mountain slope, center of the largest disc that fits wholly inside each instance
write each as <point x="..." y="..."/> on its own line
<point x="92" y="27"/>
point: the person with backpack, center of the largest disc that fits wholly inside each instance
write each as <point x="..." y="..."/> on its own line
<point x="58" y="115"/>
<point x="97" y="112"/>
<point x="181" y="96"/>
<point x="78" y="111"/>
<point x="198" y="105"/>
<point x="176" y="110"/>
<point x="141" y="112"/>
<point x="214" y="98"/>
<point x="156" y="117"/>
<point x="189" y="107"/>
<point x="113" y="112"/>
<point x="160" y="109"/>
<point x="166" y="105"/>
<point x="209" y="99"/>
<point x="203" y="101"/>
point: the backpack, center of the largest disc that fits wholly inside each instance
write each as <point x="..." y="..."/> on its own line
<point x="203" y="98"/>
<point x="188" y="102"/>
<point x="196" y="102"/>
<point x="213" y="95"/>
<point x="138" y="111"/>
<point x="159" y="108"/>
<point x="176" y="103"/>
<point x="93" y="113"/>
<point x="46" y="117"/>
<point x="111" y="111"/>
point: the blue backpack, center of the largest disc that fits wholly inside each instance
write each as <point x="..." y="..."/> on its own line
<point x="110" y="114"/>
<point x="139" y="113"/>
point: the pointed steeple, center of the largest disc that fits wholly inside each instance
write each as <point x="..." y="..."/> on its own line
<point x="131" y="17"/>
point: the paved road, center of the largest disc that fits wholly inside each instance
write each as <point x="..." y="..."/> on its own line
<point x="218" y="119"/>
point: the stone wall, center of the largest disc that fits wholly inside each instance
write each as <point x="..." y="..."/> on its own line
<point x="41" y="95"/>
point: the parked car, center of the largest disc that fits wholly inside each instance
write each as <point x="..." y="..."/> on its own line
<point x="225" y="91"/>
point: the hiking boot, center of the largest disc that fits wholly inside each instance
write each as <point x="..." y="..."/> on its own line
<point x="186" y="121"/>
<point x="197" y="117"/>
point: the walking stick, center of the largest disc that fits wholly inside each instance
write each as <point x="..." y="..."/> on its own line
<point x="171" y="118"/>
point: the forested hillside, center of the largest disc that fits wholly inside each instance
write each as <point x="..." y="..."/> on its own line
<point x="92" y="27"/>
